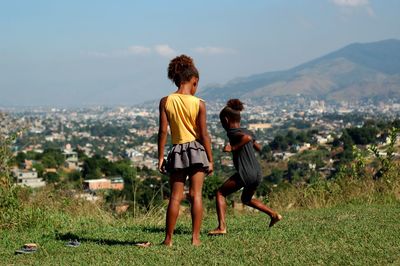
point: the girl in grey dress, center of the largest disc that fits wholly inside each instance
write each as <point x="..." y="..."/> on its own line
<point x="248" y="174"/>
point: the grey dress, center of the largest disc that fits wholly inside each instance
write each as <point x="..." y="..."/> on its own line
<point x="245" y="160"/>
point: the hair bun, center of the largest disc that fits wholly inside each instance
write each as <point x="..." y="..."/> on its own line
<point x="178" y="65"/>
<point x="235" y="104"/>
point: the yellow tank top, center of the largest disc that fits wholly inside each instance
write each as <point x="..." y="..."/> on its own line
<point x="182" y="111"/>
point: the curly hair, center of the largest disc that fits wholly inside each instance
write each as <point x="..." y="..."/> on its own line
<point x="232" y="110"/>
<point x="182" y="69"/>
<point x="235" y="104"/>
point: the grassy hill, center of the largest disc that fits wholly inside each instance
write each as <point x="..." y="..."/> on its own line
<point x="351" y="234"/>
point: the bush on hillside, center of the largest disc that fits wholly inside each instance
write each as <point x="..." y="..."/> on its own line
<point x="9" y="203"/>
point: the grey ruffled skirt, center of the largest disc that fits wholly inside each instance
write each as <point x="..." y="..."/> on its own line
<point x="187" y="155"/>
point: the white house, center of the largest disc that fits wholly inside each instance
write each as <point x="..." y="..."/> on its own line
<point x="71" y="158"/>
<point x="28" y="178"/>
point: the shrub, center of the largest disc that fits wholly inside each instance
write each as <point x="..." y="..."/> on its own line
<point x="52" y="177"/>
<point x="9" y="203"/>
<point x="386" y="162"/>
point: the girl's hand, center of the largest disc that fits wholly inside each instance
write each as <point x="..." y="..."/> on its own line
<point x="210" y="169"/>
<point x="244" y="139"/>
<point x="161" y="166"/>
<point x="257" y="146"/>
<point x="228" y="148"/>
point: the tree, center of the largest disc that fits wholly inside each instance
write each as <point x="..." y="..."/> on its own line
<point x="31" y="155"/>
<point x="108" y="168"/>
<point x="74" y="176"/>
<point x="291" y="138"/>
<point x="364" y="135"/>
<point x="39" y="169"/>
<point x="49" y="161"/>
<point x="336" y="142"/>
<point x="346" y="156"/>
<point x="301" y="137"/>
<point x="92" y="167"/>
<point x="52" y="158"/>
<point x="347" y="140"/>
<point x="279" y="143"/>
<point x="396" y="123"/>
<point x="81" y="154"/>
<point x="51" y="177"/>
<point x="276" y="176"/>
<point x="266" y="153"/>
<point x="296" y="171"/>
<point x="20" y="158"/>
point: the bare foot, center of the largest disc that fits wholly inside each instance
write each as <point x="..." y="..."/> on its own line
<point x="217" y="232"/>
<point x="275" y="219"/>
<point x="196" y="242"/>
<point x="167" y="243"/>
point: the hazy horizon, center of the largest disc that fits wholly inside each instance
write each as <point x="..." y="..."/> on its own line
<point x="72" y="54"/>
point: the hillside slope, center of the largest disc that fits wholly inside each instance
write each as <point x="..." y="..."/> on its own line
<point x="355" y="72"/>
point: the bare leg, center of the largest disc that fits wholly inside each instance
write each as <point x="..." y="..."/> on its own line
<point x="177" y="182"/>
<point x="196" y="202"/>
<point x="231" y="185"/>
<point x="247" y="198"/>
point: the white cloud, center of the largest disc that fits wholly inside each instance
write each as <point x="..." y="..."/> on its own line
<point x="97" y="54"/>
<point x="164" y="50"/>
<point x="214" y="50"/>
<point x="139" y="50"/>
<point x="161" y="49"/>
<point x="351" y="3"/>
<point x="131" y="50"/>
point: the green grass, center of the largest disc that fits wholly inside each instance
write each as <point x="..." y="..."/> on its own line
<point x="346" y="235"/>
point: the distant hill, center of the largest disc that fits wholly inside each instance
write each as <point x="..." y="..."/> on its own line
<point x="356" y="72"/>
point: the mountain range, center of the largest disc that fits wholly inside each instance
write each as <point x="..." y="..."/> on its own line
<point x="355" y="72"/>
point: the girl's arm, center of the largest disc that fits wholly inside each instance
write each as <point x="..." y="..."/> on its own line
<point x="204" y="137"/>
<point x="243" y="141"/>
<point x="162" y="134"/>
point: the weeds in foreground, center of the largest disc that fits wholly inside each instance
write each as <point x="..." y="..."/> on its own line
<point x="355" y="181"/>
<point x="386" y="159"/>
<point x="326" y="193"/>
<point x="9" y="202"/>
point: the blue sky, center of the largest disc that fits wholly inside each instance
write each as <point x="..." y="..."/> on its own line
<point x="116" y="52"/>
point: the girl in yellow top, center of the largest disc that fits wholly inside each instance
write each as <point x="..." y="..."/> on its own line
<point x="191" y="152"/>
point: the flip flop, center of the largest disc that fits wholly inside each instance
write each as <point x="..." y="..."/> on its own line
<point x="74" y="243"/>
<point x="216" y="233"/>
<point x="27" y="249"/>
<point x="145" y="244"/>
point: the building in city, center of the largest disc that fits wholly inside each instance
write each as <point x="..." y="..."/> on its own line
<point x="115" y="183"/>
<point x="71" y="158"/>
<point x="28" y="178"/>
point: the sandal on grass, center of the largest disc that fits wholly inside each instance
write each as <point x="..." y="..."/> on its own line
<point x="217" y="232"/>
<point x="28" y="248"/>
<point x="74" y="243"/>
<point x="144" y="244"/>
